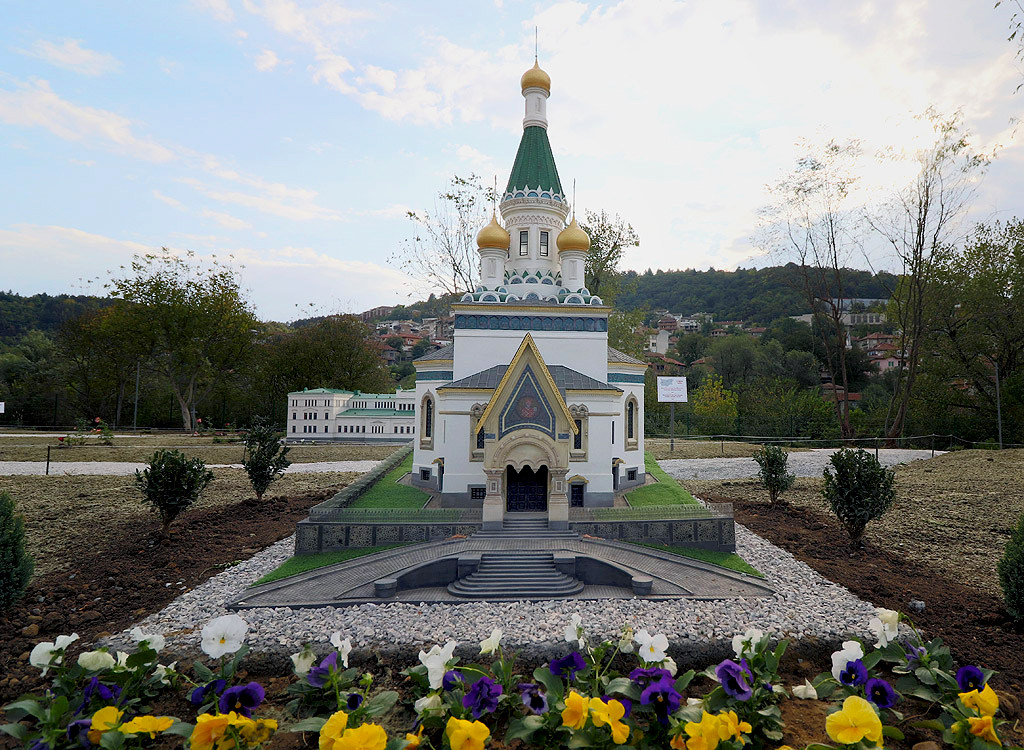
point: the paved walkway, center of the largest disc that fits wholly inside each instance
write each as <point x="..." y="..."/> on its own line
<point x="124" y="468"/>
<point x="804" y="464"/>
<point x="351" y="582"/>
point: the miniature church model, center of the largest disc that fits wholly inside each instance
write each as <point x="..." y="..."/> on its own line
<point x="529" y="411"/>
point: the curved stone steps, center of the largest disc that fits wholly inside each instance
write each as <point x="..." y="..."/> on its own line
<point x="516" y="575"/>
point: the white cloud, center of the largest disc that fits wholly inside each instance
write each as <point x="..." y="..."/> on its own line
<point x="219" y="9"/>
<point x="172" y="68"/>
<point x="35" y="104"/>
<point x="266" y="61"/>
<point x="71" y="55"/>
<point x="227" y="220"/>
<point x="272" y="198"/>
<point x="172" y="202"/>
<point x="83" y="162"/>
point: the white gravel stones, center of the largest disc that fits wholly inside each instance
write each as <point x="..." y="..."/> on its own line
<point x="804" y="464"/>
<point x="124" y="468"/>
<point x="805" y="605"/>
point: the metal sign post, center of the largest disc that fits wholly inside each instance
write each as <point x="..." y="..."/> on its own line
<point x="672" y="391"/>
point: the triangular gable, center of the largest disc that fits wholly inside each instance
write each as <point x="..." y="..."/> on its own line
<point x="527" y="407"/>
<point x="539" y="377"/>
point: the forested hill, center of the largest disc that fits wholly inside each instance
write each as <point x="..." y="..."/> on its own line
<point x="758" y="295"/>
<point x="41" y="312"/>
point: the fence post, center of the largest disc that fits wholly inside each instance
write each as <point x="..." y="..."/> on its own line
<point x="933" y="445"/>
<point x="47" y="460"/>
<point x="876" y="449"/>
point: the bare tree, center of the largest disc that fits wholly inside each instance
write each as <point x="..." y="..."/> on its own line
<point x="813" y="220"/>
<point x="610" y="237"/>
<point x="920" y="223"/>
<point x="441" y="255"/>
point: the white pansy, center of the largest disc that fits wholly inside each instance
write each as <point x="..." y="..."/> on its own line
<point x="162" y="670"/>
<point x="427" y="704"/>
<point x="694" y="702"/>
<point x="436" y="661"/>
<point x="805" y="691"/>
<point x="122" y="660"/>
<point x="572" y="630"/>
<point x="223" y="635"/>
<point x="652" y="648"/>
<point x="490" y="645"/>
<point x="303" y="660"/>
<point x="851" y="651"/>
<point x="49" y="654"/>
<point x="155" y="640"/>
<point x="885" y="626"/>
<point x="747" y="642"/>
<point x="96" y="661"/>
<point x="344" y="647"/>
<point x="669" y="664"/>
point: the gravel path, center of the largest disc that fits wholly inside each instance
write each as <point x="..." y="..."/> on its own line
<point x="804" y="464"/>
<point x="805" y="605"/>
<point x="124" y="468"/>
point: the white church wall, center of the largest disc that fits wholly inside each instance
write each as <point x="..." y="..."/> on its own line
<point x="583" y="351"/>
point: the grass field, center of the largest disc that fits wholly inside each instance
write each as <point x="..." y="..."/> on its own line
<point x="666" y="491"/>
<point x="295" y="565"/>
<point x="725" y="559"/>
<point x="388" y="493"/>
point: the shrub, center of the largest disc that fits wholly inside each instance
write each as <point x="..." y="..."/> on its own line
<point x="265" y="455"/>
<point x="772" y="459"/>
<point x="1011" y="573"/>
<point x="15" y="561"/>
<point x="858" y="489"/>
<point x="171" y="483"/>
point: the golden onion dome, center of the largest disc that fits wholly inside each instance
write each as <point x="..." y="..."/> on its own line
<point x="536" y="78"/>
<point x="493" y="235"/>
<point x="573" y="238"/>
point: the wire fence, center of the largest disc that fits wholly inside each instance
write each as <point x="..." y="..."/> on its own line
<point x="931" y="441"/>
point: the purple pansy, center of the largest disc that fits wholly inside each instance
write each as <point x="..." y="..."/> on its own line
<point x="567" y="666"/>
<point x="353" y="701"/>
<point x="203" y="693"/>
<point x="534" y="700"/>
<point x="663" y="697"/>
<point x="735" y="679"/>
<point x="242" y="699"/>
<point x="109" y="694"/>
<point x="644" y="677"/>
<point x="880" y="693"/>
<point x="482" y="697"/>
<point x="854" y="673"/>
<point x="452" y="679"/>
<point x="970" y="678"/>
<point x="319" y="675"/>
<point x="914" y="654"/>
<point x="78" y="732"/>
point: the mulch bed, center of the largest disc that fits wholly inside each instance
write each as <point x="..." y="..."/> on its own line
<point x="123" y="575"/>
<point x="970" y="621"/>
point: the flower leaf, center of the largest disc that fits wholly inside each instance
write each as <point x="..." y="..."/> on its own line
<point x="523" y="729"/>
<point x="202" y="671"/>
<point x="24" y="707"/>
<point x="925" y="676"/>
<point x="381" y="703"/>
<point x="312" y="724"/>
<point x="180" y="728"/>
<point x="552" y="685"/>
<point x="893" y="732"/>
<point x="623" y="686"/>
<point x="684" y="680"/>
<point x="17" y="731"/>
<point x="928" y="724"/>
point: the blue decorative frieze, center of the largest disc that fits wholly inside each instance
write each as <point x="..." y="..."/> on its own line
<point x="563" y="436"/>
<point x="445" y="375"/>
<point x="530" y="323"/>
<point x="618" y="377"/>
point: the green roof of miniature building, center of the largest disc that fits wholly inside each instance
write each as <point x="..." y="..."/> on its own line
<point x="535" y="164"/>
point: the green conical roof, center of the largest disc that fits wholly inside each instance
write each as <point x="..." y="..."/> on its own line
<point x="535" y="164"/>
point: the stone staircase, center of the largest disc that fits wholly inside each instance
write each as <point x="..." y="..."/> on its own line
<point x="516" y="575"/>
<point x="525" y="528"/>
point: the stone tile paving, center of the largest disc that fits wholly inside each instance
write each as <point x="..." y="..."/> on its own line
<point x="804" y="464"/>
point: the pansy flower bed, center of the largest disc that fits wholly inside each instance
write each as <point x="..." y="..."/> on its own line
<point x="583" y="698"/>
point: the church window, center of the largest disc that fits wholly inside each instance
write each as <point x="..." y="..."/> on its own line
<point x="293" y="415"/>
<point x="577" y="439"/>
<point x="477" y="493"/>
<point x="524" y="243"/>
<point x="428" y="418"/>
<point x="480" y="440"/>
<point x="293" y="428"/>
<point x="630" y="420"/>
<point x="544" y="244"/>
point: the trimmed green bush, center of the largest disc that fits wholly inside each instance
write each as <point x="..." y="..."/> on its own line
<point x="773" y="461"/>
<point x="858" y="489"/>
<point x="172" y="483"/>
<point x="1011" y="573"/>
<point x="265" y="455"/>
<point x="15" y="561"/>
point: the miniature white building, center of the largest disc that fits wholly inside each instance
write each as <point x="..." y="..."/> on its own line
<point x="529" y="409"/>
<point x="331" y="415"/>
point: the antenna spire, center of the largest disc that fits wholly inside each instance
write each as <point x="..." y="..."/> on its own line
<point x="494" y="196"/>
<point x="574" y="198"/>
<point x="536" y="45"/>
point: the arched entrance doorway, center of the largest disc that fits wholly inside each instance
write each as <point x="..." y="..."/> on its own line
<point x="526" y="490"/>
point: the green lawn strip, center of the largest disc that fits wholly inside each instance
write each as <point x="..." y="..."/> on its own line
<point x="666" y="491"/>
<point x="388" y="493"/>
<point x="295" y="565"/>
<point x="723" y="559"/>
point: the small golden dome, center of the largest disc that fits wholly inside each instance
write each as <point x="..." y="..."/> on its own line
<point x="493" y="235"/>
<point x="573" y="238"/>
<point x="536" y="78"/>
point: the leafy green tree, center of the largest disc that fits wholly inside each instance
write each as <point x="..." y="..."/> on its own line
<point x="266" y="455"/>
<point x="610" y="238"/>
<point x="772" y="463"/>
<point x="691" y="347"/>
<point x="420" y="347"/>
<point x="791" y="333"/>
<point x="625" y="334"/>
<point x="1011" y="573"/>
<point x="714" y="406"/>
<point x="733" y="358"/>
<point x="858" y="489"/>
<point x="172" y="483"/>
<point x="31" y="380"/>
<point x="15" y="562"/>
<point x="395" y="342"/>
<point x="190" y="318"/>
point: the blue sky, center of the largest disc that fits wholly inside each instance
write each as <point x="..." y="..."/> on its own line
<point x="293" y="136"/>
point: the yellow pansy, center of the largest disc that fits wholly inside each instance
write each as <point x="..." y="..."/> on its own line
<point x="730" y="726"/>
<point x="984" y="728"/>
<point x="610" y="713"/>
<point x="104" y="720"/>
<point x="412" y="741"/>
<point x="209" y="730"/>
<point x="364" y="737"/>
<point x="704" y="735"/>
<point x="856" y="721"/>
<point x="151" y="725"/>
<point x="985" y="703"/>
<point x="332" y="729"/>
<point x="576" y="710"/>
<point x="677" y="742"/>
<point x="259" y="731"/>
<point x="466" y="735"/>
